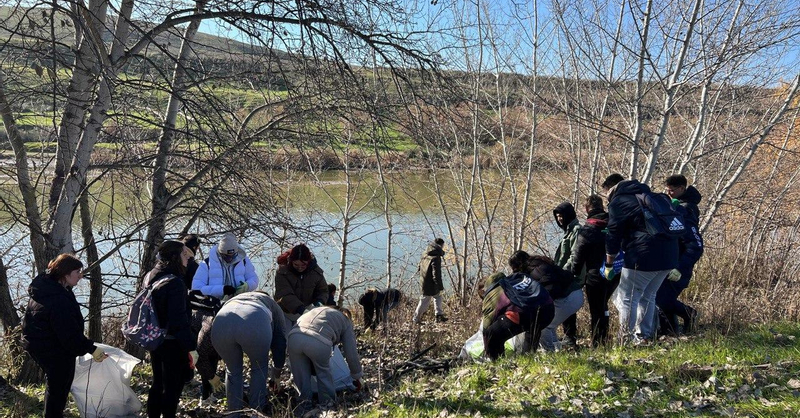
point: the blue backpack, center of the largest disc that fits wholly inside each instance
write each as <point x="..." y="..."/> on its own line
<point x="141" y="327"/>
<point x="660" y="217"/>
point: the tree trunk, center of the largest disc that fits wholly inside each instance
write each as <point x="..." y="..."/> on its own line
<point x="95" y="274"/>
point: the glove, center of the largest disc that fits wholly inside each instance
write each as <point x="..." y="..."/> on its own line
<point x="674" y="275"/>
<point x="99" y="355"/>
<point x="193" y="358"/>
<point x="357" y="384"/>
<point x="228" y="290"/>
<point x="300" y="310"/>
<point x="242" y="288"/>
<point x="609" y="271"/>
<point x="216" y="384"/>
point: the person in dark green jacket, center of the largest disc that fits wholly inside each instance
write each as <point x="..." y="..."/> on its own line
<point x="568" y="222"/>
<point x="430" y="270"/>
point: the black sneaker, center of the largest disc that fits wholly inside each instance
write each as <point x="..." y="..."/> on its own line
<point x="441" y="318"/>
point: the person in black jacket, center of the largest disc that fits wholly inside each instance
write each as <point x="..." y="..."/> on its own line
<point x="648" y="258"/>
<point x="377" y="304"/>
<point x="690" y="247"/>
<point x="193" y="242"/>
<point x="587" y="259"/>
<point x="52" y="330"/>
<point x="174" y="359"/>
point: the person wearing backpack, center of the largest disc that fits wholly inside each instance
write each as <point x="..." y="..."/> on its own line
<point x="250" y="324"/>
<point x="559" y="283"/>
<point x="649" y="256"/>
<point x="587" y="258"/>
<point x="172" y="362"/>
<point x="503" y="319"/>
<point x="227" y="271"/>
<point x="52" y="330"/>
<point x="430" y="270"/>
<point x="690" y="247"/>
<point x="299" y="282"/>
<point x="567" y="220"/>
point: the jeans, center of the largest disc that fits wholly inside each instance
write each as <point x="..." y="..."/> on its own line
<point x="637" y="303"/>
<point x="565" y="307"/>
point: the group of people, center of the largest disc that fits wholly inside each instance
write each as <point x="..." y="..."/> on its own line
<point x="543" y="293"/>
<point x="211" y="308"/>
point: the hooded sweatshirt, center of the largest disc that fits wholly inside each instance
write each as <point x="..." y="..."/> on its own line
<point x="331" y="327"/>
<point x="570" y="226"/>
<point x="689" y="200"/>
<point x="53" y="323"/>
<point x="430" y="269"/>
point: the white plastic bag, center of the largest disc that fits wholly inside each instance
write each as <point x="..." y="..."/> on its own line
<point x="474" y="349"/>
<point x="340" y="372"/>
<point x="102" y="390"/>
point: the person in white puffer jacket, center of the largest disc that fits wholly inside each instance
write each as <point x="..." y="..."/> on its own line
<point x="227" y="271"/>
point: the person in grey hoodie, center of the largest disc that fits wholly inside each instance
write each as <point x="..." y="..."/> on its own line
<point x="251" y="323"/>
<point x="430" y="270"/>
<point x="311" y="342"/>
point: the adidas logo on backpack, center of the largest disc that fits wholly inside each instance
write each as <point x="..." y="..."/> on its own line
<point x="676" y="225"/>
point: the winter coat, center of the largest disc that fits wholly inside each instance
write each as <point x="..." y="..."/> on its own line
<point x="53" y="323"/>
<point x="210" y="277"/>
<point x="430" y="269"/>
<point x="689" y="201"/>
<point x="331" y="327"/>
<point x="590" y="248"/>
<point x="563" y="256"/>
<point x="295" y="290"/>
<point x="627" y="231"/>
<point x="170" y="301"/>
<point x="492" y="298"/>
<point x="558" y="282"/>
<point x="690" y="248"/>
<point x="191" y="269"/>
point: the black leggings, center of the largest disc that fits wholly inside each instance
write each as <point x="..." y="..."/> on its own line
<point x="170" y="371"/>
<point x="59" y="370"/>
<point x="499" y="331"/>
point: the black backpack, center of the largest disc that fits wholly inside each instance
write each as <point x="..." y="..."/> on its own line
<point x="661" y="218"/>
<point x="522" y="291"/>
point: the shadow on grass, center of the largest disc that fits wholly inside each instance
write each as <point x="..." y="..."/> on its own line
<point x="14" y="403"/>
<point x="430" y="407"/>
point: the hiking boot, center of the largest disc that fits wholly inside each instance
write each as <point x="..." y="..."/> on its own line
<point x="441" y="318"/>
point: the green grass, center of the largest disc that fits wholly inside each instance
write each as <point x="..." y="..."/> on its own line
<point x="747" y="374"/>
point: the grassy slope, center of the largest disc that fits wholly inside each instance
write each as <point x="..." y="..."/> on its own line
<point x="755" y="373"/>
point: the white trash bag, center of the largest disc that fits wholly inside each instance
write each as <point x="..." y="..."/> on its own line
<point x="340" y="372"/>
<point x="473" y="347"/>
<point x="103" y="390"/>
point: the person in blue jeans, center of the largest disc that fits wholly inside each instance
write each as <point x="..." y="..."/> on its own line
<point x="648" y="258"/>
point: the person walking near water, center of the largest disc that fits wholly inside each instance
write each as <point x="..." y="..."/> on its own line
<point x="430" y="269"/>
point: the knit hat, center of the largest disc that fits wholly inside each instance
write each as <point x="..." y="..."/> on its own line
<point x="228" y="245"/>
<point x="300" y="252"/>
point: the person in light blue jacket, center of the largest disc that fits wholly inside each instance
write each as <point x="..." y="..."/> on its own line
<point x="227" y="271"/>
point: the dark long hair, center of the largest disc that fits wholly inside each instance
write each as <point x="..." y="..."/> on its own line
<point x="170" y="257"/>
<point x="63" y="265"/>
<point x="518" y="261"/>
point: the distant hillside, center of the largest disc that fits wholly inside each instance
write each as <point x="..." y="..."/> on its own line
<point x="16" y="23"/>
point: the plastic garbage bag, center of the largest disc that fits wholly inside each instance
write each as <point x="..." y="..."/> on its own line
<point x="102" y="390"/>
<point x="473" y="347"/>
<point x="340" y="371"/>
